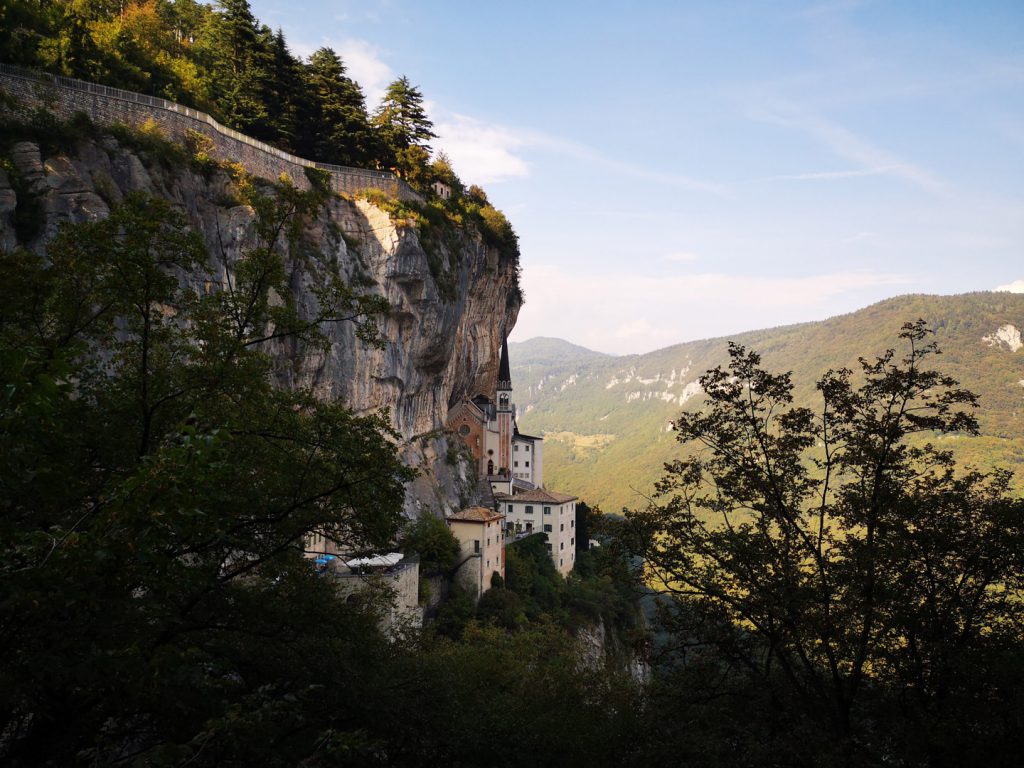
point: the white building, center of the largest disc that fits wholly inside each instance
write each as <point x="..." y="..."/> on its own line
<point x="527" y="458"/>
<point x="548" y="512"/>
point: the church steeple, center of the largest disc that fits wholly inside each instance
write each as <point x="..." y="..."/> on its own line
<point x="504" y="372"/>
<point x="506" y="411"/>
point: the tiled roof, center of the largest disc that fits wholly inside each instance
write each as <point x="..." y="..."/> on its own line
<point x="476" y="515"/>
<point x="537" y="496"/>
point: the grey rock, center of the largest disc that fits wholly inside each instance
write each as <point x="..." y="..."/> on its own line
<point x="439" y="345"/>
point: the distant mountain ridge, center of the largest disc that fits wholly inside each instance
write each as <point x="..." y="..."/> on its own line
<point x="606" y="418"/>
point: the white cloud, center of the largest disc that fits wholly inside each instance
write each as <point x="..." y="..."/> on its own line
<point x="1017" y="286"/>
<point x="481" y="153"/>
<point x="627" y="313"/>
<point x="363" y="61"/>
<point x="367" y="67"/>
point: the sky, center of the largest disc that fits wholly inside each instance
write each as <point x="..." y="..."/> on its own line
<point x="686" y="170"/>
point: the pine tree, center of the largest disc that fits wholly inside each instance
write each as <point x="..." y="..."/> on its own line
<point x="403" y="125"/>
<point x="338" y="127"/>
<point x="285" y="94"/>
<point x="237" y="76"/>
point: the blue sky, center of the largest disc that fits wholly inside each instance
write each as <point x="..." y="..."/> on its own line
<point x="691" y="169"/>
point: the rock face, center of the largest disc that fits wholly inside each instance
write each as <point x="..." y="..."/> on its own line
<point x="1005" y="334"/>
<point x="444" y="331"/>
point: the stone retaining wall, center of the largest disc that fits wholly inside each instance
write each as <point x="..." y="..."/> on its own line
<point x="105" y="106"/>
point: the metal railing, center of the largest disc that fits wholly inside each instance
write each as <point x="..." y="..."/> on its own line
<point x="155" y="102"/>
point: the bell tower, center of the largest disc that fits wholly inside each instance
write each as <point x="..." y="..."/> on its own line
<point x="506" y="411"/>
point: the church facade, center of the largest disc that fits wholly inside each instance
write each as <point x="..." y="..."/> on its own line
<point x="487" y="425"/>
<point x="513" y="463"/>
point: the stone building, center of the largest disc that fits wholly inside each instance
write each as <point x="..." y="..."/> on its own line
<point x="392" y="578"/>
<point x="481" y="547"/>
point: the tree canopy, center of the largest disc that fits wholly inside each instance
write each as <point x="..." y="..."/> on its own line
<point x="221" y="59"/>
<point x="865" y="592"/>
<point x="157" y="491"/>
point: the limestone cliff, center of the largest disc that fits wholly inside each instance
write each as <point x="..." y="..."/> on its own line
<point x="443" y="332"/>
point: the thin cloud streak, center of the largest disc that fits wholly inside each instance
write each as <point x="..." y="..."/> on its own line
<point x="825" y="9"/>
<point x="850" y="146"/>
<point x="588" y="155"/>
<point x="830" y="175"/>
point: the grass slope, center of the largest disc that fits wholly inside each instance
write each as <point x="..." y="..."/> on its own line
<point x="607" y="418"/>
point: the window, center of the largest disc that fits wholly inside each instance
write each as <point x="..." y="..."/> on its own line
<point x="562" y="545"/>
<point x="572" y="523"/>
<point x="527" y="463"/>
<point x="561" y="526"/>
<point x="572" y="542"/>
<point x="515" y="463"/>
<point x="515" y="448"/>
<point x="547" y="510"/>
<point x="529" y="509"/>
<point x="476" y="546"/>
<point x="510" y="509"/>
<point x="547" y="529"/>
<point x="488" y="541"/>
<point x="561" y="562"/>
<point x="464" y="430"/>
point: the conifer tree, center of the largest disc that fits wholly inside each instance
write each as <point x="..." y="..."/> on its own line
<point x="237" y="75"/>
<point x="285" y="95"/>
<point x="338" y="129"/>
<point x="405" y="127"/>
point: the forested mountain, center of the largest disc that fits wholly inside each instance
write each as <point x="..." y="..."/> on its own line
<point x="607" y="419"/>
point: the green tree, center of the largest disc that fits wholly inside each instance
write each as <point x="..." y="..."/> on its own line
<point x="337" y="126"/>
<point x="155" y="496"/>
<point x="404" y="127"/>
<point x="286" y="94"/>
<point x="429" y="537"/>
<point x="864" y="592"/>
<point x="238" y="67"/>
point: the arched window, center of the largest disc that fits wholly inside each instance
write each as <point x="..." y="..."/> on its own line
<point x="490" y="467"/>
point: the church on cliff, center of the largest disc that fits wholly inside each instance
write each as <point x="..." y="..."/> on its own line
<point x="513" y="464"/>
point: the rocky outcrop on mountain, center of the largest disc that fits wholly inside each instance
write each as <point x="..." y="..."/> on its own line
<point x="450" y="303"/>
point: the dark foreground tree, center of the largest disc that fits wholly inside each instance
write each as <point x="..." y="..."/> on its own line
<point x="156" y="490"/>
<point x="839" y="596"/>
